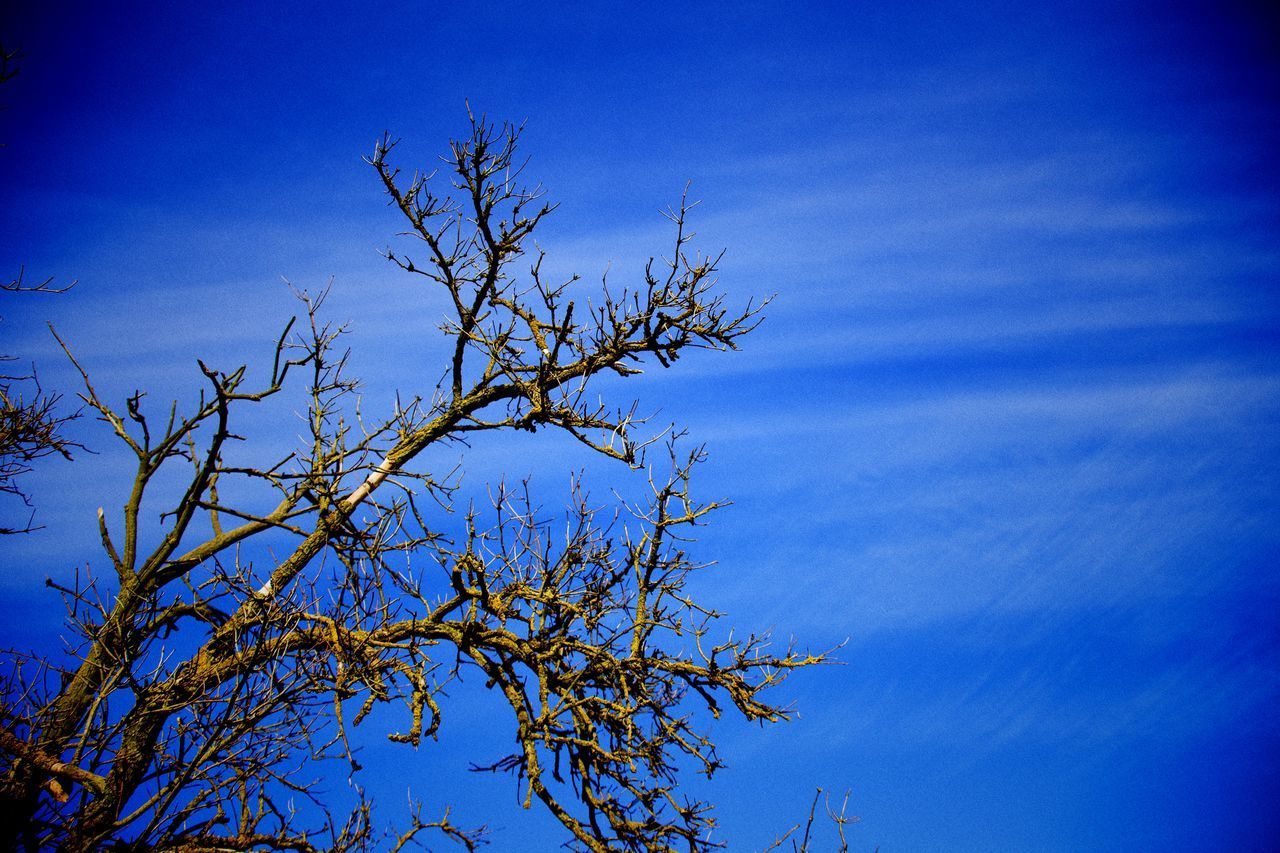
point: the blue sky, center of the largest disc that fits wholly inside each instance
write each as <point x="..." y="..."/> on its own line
<point x="1011" y="427"/>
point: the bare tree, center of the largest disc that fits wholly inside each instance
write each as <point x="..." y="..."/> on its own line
<point x="210" y="678"/>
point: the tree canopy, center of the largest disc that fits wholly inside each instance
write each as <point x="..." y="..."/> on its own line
<point x="211" y="679"/>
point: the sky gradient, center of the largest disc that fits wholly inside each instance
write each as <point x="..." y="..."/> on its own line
<point x="1011" y="430"/>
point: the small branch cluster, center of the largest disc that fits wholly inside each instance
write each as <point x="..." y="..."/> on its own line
<point x="800" y="837"/>
<point x="32" y="421"/>
<point x="526" y="335"/>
